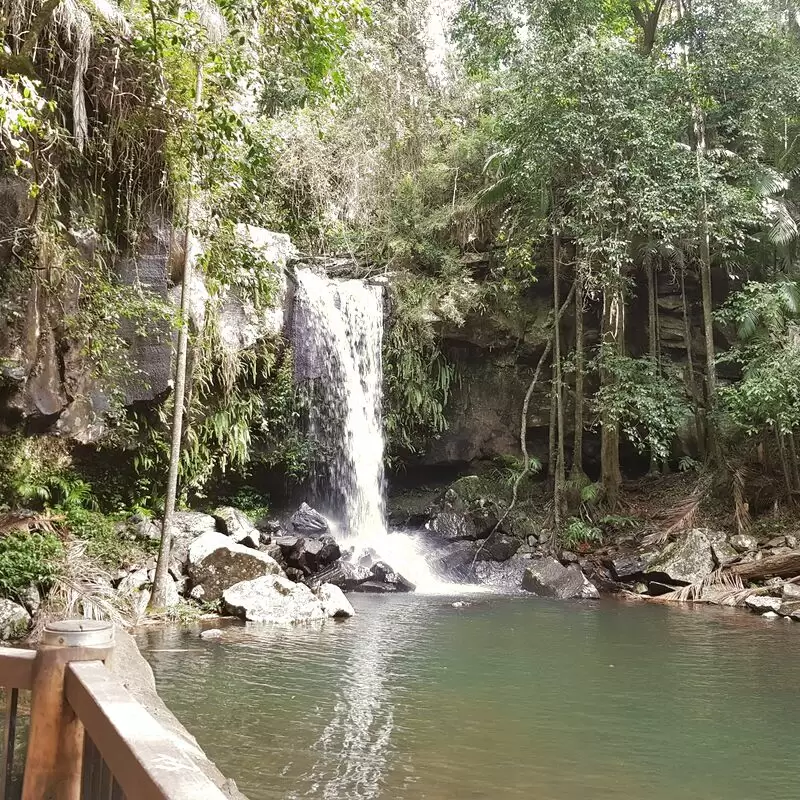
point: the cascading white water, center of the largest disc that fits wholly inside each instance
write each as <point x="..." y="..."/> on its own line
<point x="338" y="328"/>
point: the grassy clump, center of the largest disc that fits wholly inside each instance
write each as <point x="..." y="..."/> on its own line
<point x="29" y="559"/>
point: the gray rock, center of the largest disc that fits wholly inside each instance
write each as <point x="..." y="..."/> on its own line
<point x="791" y="541"/>
<point x="723" y="552"/>
<point x="343" y="574"/>
<point x="761" y="603"/>
<point x="215" y="563"/>
<point x="32" y="600"/>
<point x="505" y="575"/>
<point x="133" y="582"/>
<point x="186" y="527"/>
<point x="308" y="555"/>
<point x="744" y="543"/>
<point x="252" y="540"/>
<point x="273" y="599"/>
<point x="568" y="557"/>
<point x="687" y="560"/>
<point x="627" y="566"/>
<point x="453" y="526"/>
<point x="790" y="608"/>
<point x="776" y="541"/>
<point x="547" y="578"/>
<point x="790" y="591"/>
<point x="382" y="573"/>
<point x="308" y="520"/>
<point x="211" y="633"/>
<point x="14" y="620"/>
<point x="498" y="547"/>
<point x="235" y="523"/>
<point x="457" y="561"/>
<point x="334" y="603"/>
<point x="145" y="529"/>
<point x="769" y="615"/>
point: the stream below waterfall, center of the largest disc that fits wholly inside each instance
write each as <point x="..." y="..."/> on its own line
<point x="506" y="698"/>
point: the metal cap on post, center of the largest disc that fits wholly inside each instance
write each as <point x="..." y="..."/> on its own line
<point x="79" y="633"/>
<point x="55" y="739"/>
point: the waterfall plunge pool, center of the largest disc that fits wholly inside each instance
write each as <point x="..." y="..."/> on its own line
<point x="506" y="698"/>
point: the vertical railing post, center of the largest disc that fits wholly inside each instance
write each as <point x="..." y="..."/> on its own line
<point x="55" y="740"/>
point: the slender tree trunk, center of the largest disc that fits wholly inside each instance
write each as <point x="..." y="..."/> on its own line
<point x="793" y="460"/>
<point x="652" y="338"/>
<point x="560" y="480"/>
<point x="784" y="461"/>
<point x="552" y="432"/>
<point x="690" y="376"/>
<point x="577" y="442"/>
<point x="611" y="476"/>
<point x="158" y="597"/>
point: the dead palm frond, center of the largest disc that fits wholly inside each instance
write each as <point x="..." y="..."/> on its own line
<point x="741" y="508"/>
<point x="721" y="588"/>
<point x="82" y="590"/>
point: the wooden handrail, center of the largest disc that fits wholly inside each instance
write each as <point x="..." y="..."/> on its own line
<point x="142" y="756"/>
<point x="16" y="668"/>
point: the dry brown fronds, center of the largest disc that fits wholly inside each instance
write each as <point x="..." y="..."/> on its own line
<point x="719" y="588"/>
<point x="30" y="522"/>
<point x="741" y="508"/>
<point x="82" y="590"/>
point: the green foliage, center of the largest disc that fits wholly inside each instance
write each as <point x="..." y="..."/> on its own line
<point x="28" y="559"/>
<point x="646" y="399"/>
<point x="253" y="502"/>
<point x="105" y="537"/>
<point x="580" y="535"/>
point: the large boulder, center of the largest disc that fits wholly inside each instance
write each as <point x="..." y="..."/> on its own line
<point x="453" y="526"/>
<point x="545" y="577"/>
<point x="273" y="599"/>
<point x="382" y="579"/>
<point x="686" y="560"/>
<point x="627" y="566"/>
<point x="505" y="575"/>
<point x="344" y="574"/>
<point x="216" y="563"/>
<point x="763" y="603"/>
<point x="498" y="546"/>
<point x="235" y="523"/>
<point x="334" y="603"/>
<point x="14" y="620"/>
<point x="186" y="527"/>
<point x="308" y="520"/>
<point x="457" y="561"/>
<point x="308" y="555"/>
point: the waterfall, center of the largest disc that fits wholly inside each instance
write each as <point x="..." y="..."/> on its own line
<point x="337" y="335"/>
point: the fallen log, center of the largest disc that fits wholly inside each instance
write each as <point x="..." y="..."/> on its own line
<point x="783" y="566"/>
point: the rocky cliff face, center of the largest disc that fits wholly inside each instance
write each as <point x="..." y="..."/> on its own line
<point x="46" y="383"/>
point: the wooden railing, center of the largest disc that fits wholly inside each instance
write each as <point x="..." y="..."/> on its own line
<point x="88" y="738"/>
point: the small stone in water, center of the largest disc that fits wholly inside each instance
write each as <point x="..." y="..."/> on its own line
<point x="460" y="604"/>
<point x="769" y="615"/>
<point x="213" y="633"/>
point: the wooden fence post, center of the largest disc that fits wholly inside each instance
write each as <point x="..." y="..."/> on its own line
<point x="55" y="740"/>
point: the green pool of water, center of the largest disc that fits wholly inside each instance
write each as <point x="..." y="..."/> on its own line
<point x="510" y="697"/>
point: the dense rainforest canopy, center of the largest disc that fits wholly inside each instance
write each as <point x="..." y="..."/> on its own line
<point x="588" y="153"/>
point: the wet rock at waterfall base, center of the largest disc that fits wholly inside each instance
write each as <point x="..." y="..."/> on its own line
<point x="235" y="523"/>
<point x="498" y="546"/>
<point x="334" y="603"/>
<point x="216" y="563"/>
<point x="760" y="603"/>
<point x="269" y="526"/>
<point x="308" y="520"/>
<point x="503" y="575"/>
<point x="345" y="575"/>
<point x="308" y="555"/>
<point x="383" y="578"/>
<point x="452" y="526"/>
<point x="457" y="561"/>
<point x="273" y="599"/>
<point x="545" y="577"/>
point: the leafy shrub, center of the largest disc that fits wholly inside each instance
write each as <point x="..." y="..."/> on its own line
<point x="28" y="559"/>
<point x="104" y="542"/>
<point x="580" y="535"/>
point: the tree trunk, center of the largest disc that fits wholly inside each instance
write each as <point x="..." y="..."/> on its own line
<point x="560" y="480"/>
<point x="785" y="566"/>
<point x="158" y="597"/>
<point x="690" y="376"/>
<point x="577" y="442"/>
<point x="611" y="476"/>
<point x="793" y="461"/>
<point x="652" y="338"/>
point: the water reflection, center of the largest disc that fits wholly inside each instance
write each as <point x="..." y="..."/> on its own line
<point x="353" y="749"/>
